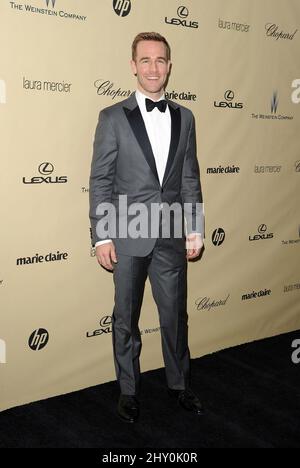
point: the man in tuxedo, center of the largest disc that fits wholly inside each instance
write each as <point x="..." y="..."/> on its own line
<point x="145" y="155"/>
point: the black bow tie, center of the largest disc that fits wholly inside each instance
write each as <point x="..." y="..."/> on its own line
<point x="161" y="105"/>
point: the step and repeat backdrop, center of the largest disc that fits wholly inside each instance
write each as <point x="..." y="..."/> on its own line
<point x="236" y="65"/>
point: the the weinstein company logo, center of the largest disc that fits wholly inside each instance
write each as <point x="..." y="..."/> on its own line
<point x="274" y="102"/>
<point x="2" y="352"/>
<point x="182" y="13"/>
<point x="297" y="166"/>
<point x="105" y="327"/>
<point x="273" y="111"/>
<point x="38" y="339"/>
<point x="48" y="10"/>
<point x="2" y="92"/>
<point x="229" y="103"/>
<point x="272" y="30"/>
<point x="46" y="169"/>
<point x="295" y="97"/>
<point x="122" y="7"/>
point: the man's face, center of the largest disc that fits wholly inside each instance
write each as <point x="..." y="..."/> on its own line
<point x="151" y="67"/>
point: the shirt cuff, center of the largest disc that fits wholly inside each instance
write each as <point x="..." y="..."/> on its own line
<point x="106" y="241"/>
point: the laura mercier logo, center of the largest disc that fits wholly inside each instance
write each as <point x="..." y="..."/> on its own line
<point x="122" y="7"/>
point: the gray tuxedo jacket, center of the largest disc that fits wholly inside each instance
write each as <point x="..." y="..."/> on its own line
<point x="123" y="164"/>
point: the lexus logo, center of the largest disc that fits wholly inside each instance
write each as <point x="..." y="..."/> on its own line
<point x="52" y="1"/>
<point x="262" y="228"/>
<point x="46" y="168"/>
<point x="122" y="7"/>
<point x="38" y="339"/>
<point x="105" y="321"/>
<point x="182" y="12"/>
<point x="229" y="95"/>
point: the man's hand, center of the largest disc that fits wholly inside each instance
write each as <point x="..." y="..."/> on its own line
<point x="106" y="255"/>
<point x="194" y="244"/>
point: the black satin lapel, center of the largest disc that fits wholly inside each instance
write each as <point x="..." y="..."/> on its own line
<point x="175" y="135"/>
<point x="137" y="124"/>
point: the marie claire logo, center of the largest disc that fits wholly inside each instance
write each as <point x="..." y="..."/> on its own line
<point x="223" y="170"/>
<point x="295" y="97"/>
<point x="2" y="92"/>
<point x="182" y="13"/>
<point x="2" y="352"/>
<point x="35" y="259"/>
<point x="105" y="327"/>
<point x="228" y="103"/>
<point x="218" y="236"/>
<point x="181" y="96"/>
<point x="45" y="169"/>
<point x="256" y="294"/>
<point x="262" y="234"/>
<point x="47" y="11"/>
<point x="107" y="88"/>
<point x="272" y="30"/>
<point x="122" y="7"/>
<point x="206" y="303"/>
<point x="38" y="339"/>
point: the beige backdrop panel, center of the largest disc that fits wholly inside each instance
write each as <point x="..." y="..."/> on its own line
<point x="72" y="298"/>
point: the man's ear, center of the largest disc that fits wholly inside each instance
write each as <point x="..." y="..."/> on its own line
<point x="133" y="67"/>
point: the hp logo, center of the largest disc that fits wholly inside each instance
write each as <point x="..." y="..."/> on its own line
<point x="218" y="236"/>
<point x="122" y="7"/>
<point x="38" y="339"/>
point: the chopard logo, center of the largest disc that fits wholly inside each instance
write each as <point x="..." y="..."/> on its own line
<point x="206" y="303"/>
<point x="107" y="88"/>
<point x="273" y="31"/>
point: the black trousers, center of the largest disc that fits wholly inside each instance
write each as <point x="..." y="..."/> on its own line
<point x="166" y="268"/>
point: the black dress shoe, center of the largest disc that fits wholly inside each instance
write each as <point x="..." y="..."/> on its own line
<point x="188" y="400"/>
<point x="128" y="408"/>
